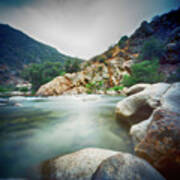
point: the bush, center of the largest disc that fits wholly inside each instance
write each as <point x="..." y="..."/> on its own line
<point x="116" y="88"/>
<point x="101" y="59"/>
<point x="109" y="54"/>
<point x="93" y="86"/>
<point x="122" y="41"/>
<point x="144" y="72"/>
<point x="152" y="49"/>
<point x="23" y="89"/>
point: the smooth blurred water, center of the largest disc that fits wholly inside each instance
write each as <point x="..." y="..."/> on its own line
<point x="38" y="129"/>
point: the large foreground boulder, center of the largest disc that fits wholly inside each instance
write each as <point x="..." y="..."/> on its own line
<point x="126" y="167"/>
<point x="171" y="99"/>
<point x="140" y="106"/>
<point x="161" y="144"/>
<point x="157" y="139"/>
<point x="76" y="166"/>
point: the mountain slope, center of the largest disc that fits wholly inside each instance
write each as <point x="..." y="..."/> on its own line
<point x="108" y="69"/>
<point x="18" y="50"/>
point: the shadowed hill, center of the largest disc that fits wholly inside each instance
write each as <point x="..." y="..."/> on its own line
<point x="18" y="50"/>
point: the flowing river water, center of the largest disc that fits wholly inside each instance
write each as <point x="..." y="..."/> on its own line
<point x="37" y="129"/>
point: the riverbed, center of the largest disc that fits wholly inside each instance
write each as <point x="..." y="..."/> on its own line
<point x="35" y="129"/>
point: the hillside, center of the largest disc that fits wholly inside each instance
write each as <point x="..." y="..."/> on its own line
<point x="164" y="28"/>
<point x="18" y="50"/>
<point x="160" y="37"/>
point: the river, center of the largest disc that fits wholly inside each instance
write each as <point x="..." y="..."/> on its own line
<point x="37" y="129"/>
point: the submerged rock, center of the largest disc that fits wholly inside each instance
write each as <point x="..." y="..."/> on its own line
<point x="126" y="167"/>
<point x="76" y="166"/>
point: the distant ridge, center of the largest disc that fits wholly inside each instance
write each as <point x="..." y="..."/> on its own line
<point x="18" y="50"/>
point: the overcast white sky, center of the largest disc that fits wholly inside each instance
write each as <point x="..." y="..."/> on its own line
<point x="81" y="28"/>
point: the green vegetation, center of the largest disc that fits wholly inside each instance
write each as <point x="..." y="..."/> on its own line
<point x="109" y="53"/>
<point x="39" y="74"/>
<point x="6" y="88"/>
<point x="23" y="89"/>
<point x="116" y="88"/>
<point x="18" y="49"/>
<point x="93" y="86"/>
<point x="122" y="41"/>
<point x="152" y="49"/>
<point x="101" y="59"/>
<point x="143" y="72"/>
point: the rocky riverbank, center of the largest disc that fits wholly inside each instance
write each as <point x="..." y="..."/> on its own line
<point x="156" y="109"/>
<point x="152" y="113"/>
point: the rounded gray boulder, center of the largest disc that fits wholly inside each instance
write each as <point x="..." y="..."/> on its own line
<point x="126" y="167"/>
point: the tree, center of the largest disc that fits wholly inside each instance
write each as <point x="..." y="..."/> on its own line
<point x="143" y="72"/>
<point x="39" y="74"/>
<point x="152" y="49"/>
<point x="122" y="41"/>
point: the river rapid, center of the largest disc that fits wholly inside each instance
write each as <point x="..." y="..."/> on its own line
<point x="35" y="129"/>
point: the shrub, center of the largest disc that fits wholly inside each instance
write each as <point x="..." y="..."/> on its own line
<point x="122" y="41"/>
<point x="144" y="72"/>
<point x="23" y="89"/>
<point x="93" y="86"/>
<point x="101" y="59"/>
<point x="109" y="53"/>
<point x="152" y="49"/>
<point x="116" y="88"/>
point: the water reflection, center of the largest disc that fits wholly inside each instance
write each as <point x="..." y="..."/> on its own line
<point x="42" y="128"/>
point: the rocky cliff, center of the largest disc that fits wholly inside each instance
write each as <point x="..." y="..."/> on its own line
<point x="107" y="70"/>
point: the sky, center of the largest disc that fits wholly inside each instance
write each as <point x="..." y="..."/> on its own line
<point x="81" y="28"/>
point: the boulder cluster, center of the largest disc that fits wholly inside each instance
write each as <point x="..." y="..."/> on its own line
<point x="153" y="113"/>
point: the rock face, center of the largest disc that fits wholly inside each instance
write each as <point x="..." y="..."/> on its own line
<point x="161" y="145"/>
<point x="55" y="87"/>
<point x="76" y="166"/>
<point x="92" y="79"/>
<point x="140" y="106"/>
<point x="125" y="167"/>
<point x="106" y="70"/>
